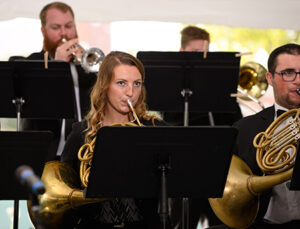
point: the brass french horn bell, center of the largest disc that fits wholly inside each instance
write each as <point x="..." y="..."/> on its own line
<point x="62" y="197"/>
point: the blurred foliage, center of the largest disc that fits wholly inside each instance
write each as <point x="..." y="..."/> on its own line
<point x="251" y="39"/>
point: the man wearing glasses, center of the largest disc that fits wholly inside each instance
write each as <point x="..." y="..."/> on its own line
<point x="283" y="77"/>
<point x="279" y="207"/>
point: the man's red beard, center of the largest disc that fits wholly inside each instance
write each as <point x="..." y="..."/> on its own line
<point x="51" y="46"/>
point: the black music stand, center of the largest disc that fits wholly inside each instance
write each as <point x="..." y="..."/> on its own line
<point x="30" y="90"/>
<point x="188" y="82"/>
<point x="149" y="162"/>
<point x="19" y="148"/>
<point x="48" y="93"/>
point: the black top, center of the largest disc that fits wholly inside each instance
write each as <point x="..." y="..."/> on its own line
<point x="248" y="128"/>
<point x="134" y="213"/>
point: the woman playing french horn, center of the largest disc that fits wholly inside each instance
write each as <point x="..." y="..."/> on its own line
<point x="118" y="96"/>
<point x="279" y="207"/>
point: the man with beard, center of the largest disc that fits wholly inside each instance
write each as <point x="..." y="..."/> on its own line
<point x="60" y="36"/>
<point x="58" y="23"/>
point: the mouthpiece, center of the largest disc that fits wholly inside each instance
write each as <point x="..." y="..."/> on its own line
<point x="133" y="112"/>
<point x="298" y="91"/>
<point x="131" y="107"/>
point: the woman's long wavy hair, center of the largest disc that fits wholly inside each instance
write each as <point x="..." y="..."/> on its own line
<point x="98" y="95"/>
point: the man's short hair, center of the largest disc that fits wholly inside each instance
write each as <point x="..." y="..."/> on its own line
<point x="58" y="5"/>
<point x="190" y="33"/>
<point x="292" y="49"/>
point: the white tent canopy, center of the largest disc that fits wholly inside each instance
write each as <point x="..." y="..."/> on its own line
<point x="263" y="14"/>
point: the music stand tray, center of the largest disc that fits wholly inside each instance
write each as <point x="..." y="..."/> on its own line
<point x="126" y="161"/>
<point x="21" y="148"/>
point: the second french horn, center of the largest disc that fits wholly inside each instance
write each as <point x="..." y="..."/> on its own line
<point x="240" y="202"/>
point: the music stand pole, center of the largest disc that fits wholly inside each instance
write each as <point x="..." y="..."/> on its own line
<point x="16" y="214"/>
<point x="186" y="93"/>
<point x="164" y="212"/>
<point x="18" y="103"/>
<point x="185" y="201"/>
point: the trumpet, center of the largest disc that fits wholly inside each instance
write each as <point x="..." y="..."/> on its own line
<point x="90" y="59"/>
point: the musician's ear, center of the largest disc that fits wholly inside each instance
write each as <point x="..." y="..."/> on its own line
<point x="269" y="77"/>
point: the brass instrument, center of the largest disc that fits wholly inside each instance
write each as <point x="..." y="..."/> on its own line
<point x="90" y="59"/>
<point x="239" y="205"/>
<point x="252" y="82"/>
<point x="63" y="194"/>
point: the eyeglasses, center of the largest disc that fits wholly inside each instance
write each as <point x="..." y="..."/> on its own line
<point x="288" y="76"/>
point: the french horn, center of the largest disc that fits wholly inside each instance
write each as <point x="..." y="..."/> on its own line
<point x="64" y="192"/>
<point x="239" y="205"/>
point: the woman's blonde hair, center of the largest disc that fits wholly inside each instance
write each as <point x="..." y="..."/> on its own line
<point x="98" y="95"/>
